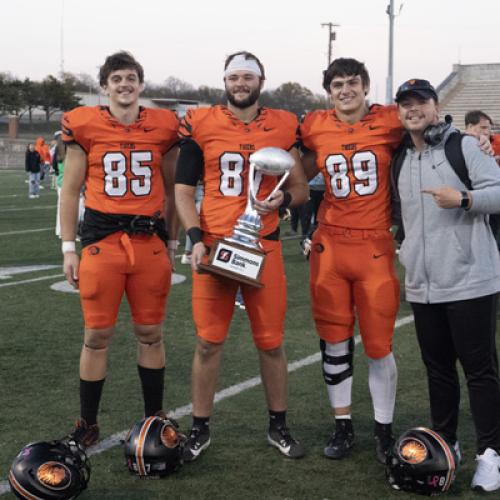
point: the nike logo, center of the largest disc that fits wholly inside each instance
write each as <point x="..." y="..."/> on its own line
<point x="197" y="448"/>
<point x="266" y="129"/>
<point x="373" y="127"/>
<point x="378" y="256"/>
<point x="156" y="252"/>
<point x="148" y="129"/>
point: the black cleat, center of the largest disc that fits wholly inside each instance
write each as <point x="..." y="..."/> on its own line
<point x="282" y="439"/>
<point x="384" y="441"/>
<point x="195" y="444"/>
<point x="84" y="434"/>
<point x="341" y="441"/>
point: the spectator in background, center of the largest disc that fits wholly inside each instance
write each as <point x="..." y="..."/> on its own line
<point x="54" y="171"/>
<point x="59" y="154"/>
<point x="43" y="150"/>
<point x="316" y="193"/>
<point x="478" y="123"/>
<point x="298" y="214"/>
<point x="32" y="166"/>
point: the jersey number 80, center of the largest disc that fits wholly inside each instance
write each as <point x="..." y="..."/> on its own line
<point x="231" y="167"/>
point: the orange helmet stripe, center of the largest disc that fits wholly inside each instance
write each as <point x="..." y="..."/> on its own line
<point x="449" y="455"/>
<point x="26" y="494"/>
<point x="139" y="454"/>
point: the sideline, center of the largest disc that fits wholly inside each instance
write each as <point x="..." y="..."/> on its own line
<point x="233" y="390"/>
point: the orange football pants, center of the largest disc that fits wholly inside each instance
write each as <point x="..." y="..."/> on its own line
<point x="137" y="265"/>
<point x="352" y="272"/>
<point x="213" y="302"/>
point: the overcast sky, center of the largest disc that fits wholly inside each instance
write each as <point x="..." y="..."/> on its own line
<point x="189" y="39"/>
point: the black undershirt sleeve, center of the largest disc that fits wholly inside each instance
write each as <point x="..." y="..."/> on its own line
<point x="190" y="163"/>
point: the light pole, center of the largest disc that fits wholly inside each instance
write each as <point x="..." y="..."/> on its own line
<point x="331" y="39"/>
<point x="62" y="39"/>
<point x="390" y="71"/>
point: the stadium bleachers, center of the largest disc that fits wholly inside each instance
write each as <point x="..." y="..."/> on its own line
<point x="471" y="86"/>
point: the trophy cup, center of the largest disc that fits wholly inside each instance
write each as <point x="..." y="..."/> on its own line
<point x="241" y="256"/>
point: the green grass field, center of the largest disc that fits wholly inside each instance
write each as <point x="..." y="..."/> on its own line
<point x="40" y="340"/>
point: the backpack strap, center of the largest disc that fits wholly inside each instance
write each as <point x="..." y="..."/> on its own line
<point x="455" y="156"/>
<point x="397" y="161"/>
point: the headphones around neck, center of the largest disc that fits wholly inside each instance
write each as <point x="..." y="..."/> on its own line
<point x="434" y="134"/>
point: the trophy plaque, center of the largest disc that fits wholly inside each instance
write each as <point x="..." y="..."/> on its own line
<point x="241" y="256"/>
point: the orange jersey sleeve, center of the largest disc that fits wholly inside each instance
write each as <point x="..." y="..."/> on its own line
<point x="495" y="142"/>
<point x="355" y="161"/>
<point x="227" y="144"/>
<point x="123" y="161"/>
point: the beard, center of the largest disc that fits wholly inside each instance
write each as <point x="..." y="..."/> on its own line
<point x="248" y="101"/>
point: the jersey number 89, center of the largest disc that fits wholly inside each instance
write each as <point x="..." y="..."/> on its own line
<point x="364" y="168"/>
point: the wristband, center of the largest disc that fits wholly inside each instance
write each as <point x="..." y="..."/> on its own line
<point x="172" y="244"/>
<point x="68" y="246"/>
<point x="287" y="199"/>
<point x="195" y="234"/>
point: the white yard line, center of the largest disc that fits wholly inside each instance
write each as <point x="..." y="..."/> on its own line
<point x="26" y="231"/>
<point x="24" y="209"/>
<point x="229" y="392"/>
<point x="42" y="278"/>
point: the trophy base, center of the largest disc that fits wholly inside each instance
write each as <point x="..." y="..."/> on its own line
<point x="236" y="262"/>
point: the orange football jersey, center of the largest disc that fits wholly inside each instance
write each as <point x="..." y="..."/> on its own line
<point x="227" y="143"/>
<point x="123" y="161"/>
<point x="495" y="142"/>
<point x="355" y="161"/>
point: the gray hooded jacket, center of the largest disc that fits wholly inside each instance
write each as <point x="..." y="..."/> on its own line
<point x="448" y="254"/>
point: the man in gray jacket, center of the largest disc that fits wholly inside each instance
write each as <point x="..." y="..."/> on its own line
<point x="452" y="273"/>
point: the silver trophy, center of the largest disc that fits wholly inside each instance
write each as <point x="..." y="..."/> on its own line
<point x="241" y="256"/>
<point x="268" y="161"/>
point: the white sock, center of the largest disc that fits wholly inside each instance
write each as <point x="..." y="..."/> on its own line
<point x="383" y="380"/>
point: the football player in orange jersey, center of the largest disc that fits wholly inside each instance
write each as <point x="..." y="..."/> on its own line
<point x="125" y="156"/>
<point x="352" y="251"/>
<point x="216" y="146"/>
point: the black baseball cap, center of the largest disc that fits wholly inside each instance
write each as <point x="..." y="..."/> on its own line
<point x="415" y="86"/>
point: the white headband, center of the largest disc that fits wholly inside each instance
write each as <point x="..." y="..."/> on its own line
<point x="239" y="63"/>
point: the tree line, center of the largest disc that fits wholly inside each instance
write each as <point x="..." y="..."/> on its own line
<point x="20" y="97"/>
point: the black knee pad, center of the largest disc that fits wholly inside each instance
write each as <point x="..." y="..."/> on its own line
<point x="337" y="378"/>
